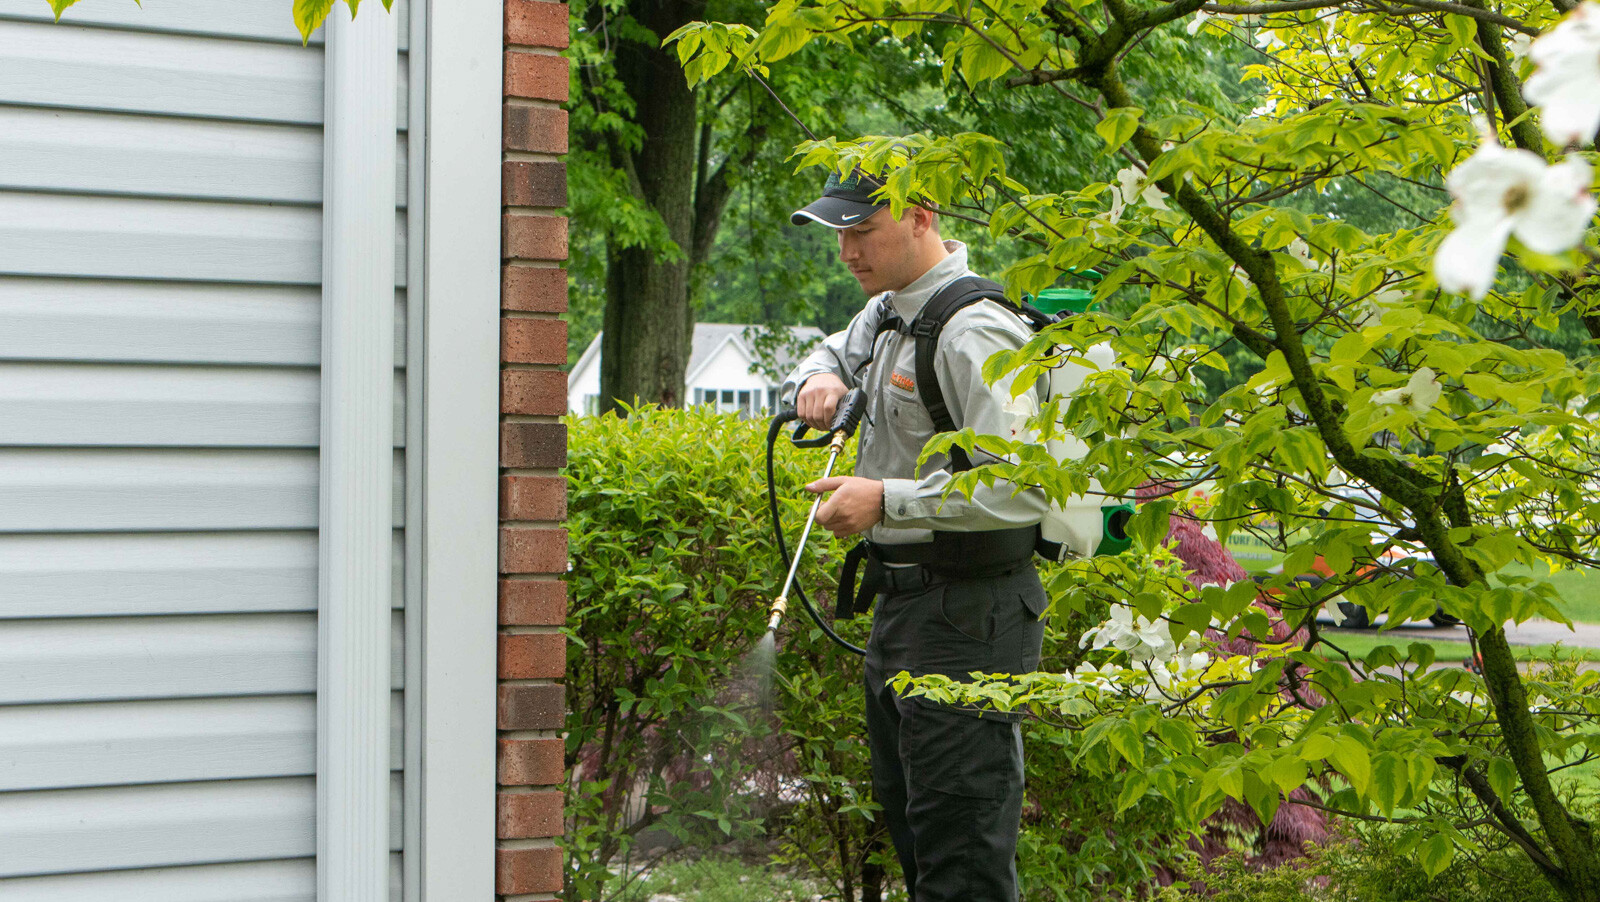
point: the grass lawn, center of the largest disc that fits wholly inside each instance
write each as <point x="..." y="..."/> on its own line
<point x="1358" y="643"/>
<point x="1580" y="590"/>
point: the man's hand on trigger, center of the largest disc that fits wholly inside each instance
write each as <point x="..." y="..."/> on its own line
<point x="818" y="399"/>
<point x="856" y="504"/>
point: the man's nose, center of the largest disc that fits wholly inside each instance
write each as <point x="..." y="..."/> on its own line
<point x="847" y="248"/>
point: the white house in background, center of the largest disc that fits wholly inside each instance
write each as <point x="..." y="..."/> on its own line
<point x="723" y="369"/>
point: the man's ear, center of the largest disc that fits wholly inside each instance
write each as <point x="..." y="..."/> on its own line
<point x="922" y="219"/>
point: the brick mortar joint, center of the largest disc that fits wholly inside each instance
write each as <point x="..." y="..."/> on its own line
<point x="535" y="50"/>
<point x="543" y="789"/>
<point x="530" y="156"/>
<point x="534" y="102"/>
<point x="525" y="843"/>
<point x="559" y="735"/>
<point x="522" y="629"/>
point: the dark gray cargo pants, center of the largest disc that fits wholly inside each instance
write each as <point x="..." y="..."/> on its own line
<point x="950" y="782"/>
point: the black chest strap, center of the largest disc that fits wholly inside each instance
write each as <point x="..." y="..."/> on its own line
<point x="925" y="330"/>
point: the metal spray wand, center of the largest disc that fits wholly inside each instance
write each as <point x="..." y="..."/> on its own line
<point x="845" y="418"/>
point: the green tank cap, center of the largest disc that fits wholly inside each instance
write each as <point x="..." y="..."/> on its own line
<point x="1055" y="300"/>
<point x="1114" y="538"/>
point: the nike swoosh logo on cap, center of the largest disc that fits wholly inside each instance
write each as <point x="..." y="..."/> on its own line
<point x="848" y="218"/>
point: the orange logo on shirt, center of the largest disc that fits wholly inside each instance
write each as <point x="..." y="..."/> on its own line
<point x="902" y="382"/>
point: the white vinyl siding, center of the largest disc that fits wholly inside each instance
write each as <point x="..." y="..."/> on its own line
<point x="160" y="345"/>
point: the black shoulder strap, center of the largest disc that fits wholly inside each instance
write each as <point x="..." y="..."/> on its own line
<point x="926" y="328"/>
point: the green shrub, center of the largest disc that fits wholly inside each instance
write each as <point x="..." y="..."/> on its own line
<point x="673" y="571"/>
<point x="1374" y="863"/>
<point x="720" y="879"/>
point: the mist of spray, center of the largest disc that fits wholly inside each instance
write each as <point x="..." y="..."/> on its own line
<point x="760" y="665"/>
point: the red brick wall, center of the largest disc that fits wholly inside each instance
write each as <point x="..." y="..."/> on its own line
<point x="533" y="446"/>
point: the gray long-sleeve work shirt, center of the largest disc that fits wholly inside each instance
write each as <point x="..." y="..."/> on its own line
<point x="897" y="425"/>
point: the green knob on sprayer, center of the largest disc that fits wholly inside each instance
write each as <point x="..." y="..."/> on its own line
<point x="1114" y="538"/>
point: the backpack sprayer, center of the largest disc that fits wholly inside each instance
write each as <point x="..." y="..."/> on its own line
<point x="1083" y="526"/>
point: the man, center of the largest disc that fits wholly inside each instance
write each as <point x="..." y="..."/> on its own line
<point x="959" y="589"/>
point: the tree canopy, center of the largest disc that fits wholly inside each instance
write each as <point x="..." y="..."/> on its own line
<point x="1404" y="392"/>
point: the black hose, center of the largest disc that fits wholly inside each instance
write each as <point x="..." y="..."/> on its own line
<point x="783" y="548"/>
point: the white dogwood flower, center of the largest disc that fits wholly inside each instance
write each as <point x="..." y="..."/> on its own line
<point x="1133" y="185"/>
<point x="1021" y="409"/>
<point x="1371" y="309"/>
<point x="1565" y="83"/>
<point x="1418" y="395"/>
<point x="1517" y="46"/>
<point x="1199" y="19"/>
<point x="1140" y="638"/>
<point x="1334" y="612"/>
<point x="1501" y="192"/>
<point x="1131" y="188"/>
<point x="1268" y="40"/>
<point x="1301" y="251"/>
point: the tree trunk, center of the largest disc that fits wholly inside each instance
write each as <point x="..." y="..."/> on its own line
<point x="644" y="350"/>
<point x="648" y="321"/>
<point x="871" y="880"/>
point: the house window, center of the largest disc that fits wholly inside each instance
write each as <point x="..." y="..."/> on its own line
<point x="743" y="401"/>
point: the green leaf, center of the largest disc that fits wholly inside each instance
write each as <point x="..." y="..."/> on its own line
<point x="1133" y="790"/>
<point x="1435" y="854"/>
<point x="1148" y="527"/>
<point x="1190" y="618"/>
<point x="1286" y="772"/>
<point x="308" y="16"/>
<point x="1352" y="759"/>
<point x="1118" y="126"/>
<point x="60" y="6"/>
<point x="1502" y="778"/>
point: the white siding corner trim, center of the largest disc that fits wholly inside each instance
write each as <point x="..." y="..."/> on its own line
<point x="357" y="430"/>
<point x="460" y="372"/>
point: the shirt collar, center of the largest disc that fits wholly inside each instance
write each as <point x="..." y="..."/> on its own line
<point x="908" y="301"/>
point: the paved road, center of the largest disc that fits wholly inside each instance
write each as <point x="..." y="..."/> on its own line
<point x="1533" y="632"/>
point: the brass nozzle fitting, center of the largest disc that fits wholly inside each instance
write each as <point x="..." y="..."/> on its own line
<point x="778" y="607"/>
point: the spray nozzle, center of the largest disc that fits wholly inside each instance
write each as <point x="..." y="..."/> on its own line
<point x="848" y="414"/>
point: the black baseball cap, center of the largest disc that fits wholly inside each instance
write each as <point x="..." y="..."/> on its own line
<point x="844" y="201"/>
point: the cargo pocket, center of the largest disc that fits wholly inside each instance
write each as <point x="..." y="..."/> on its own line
<point x="958" y="754"/>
